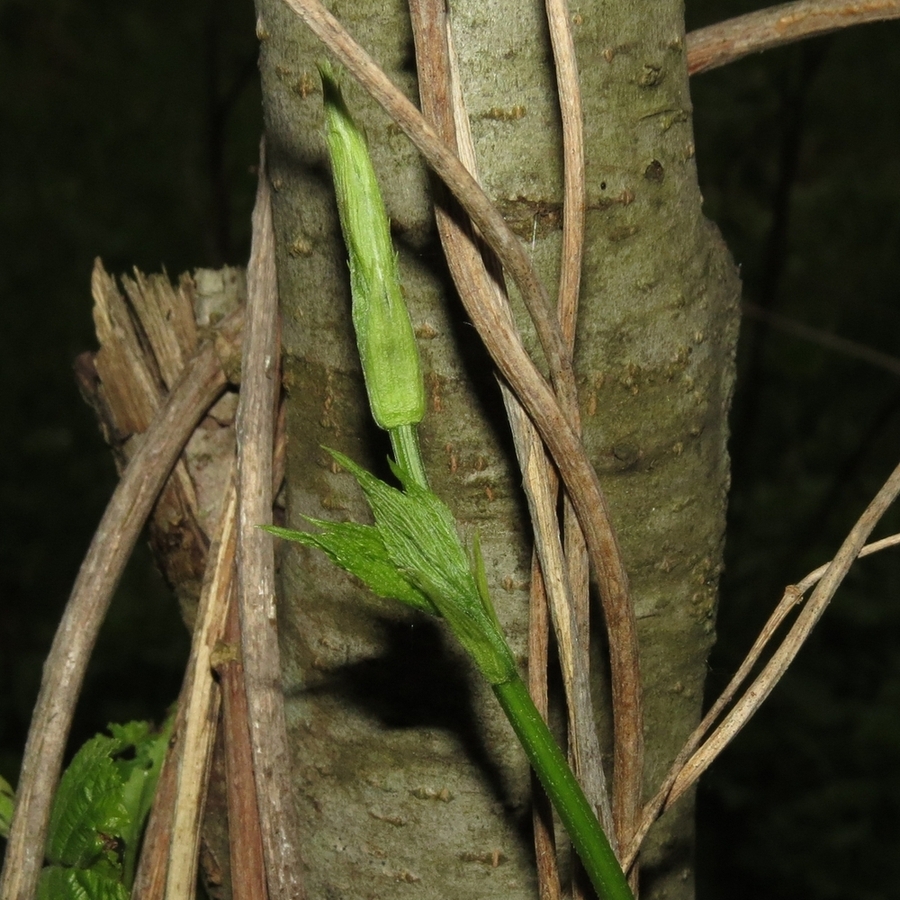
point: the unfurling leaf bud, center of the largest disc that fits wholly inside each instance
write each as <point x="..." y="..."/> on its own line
<point x="384" y="333"/>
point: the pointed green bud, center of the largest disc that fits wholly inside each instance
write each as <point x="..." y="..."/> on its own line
<point x="384" y="333"/>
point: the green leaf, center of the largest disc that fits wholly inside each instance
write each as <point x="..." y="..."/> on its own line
<point x="88" y="810"/>
<point x="419" y="535"/>
<point x="140" y="773"/>
<point x="103" y="800"/>
<point x="7" y="804"/>
<point x="359" y="550"/>
<point x="58" y="883"/>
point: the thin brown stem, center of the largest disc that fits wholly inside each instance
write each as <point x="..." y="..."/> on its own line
<point x="692" y="762"/>
<point x="584" y="744"/>
<point x="256" y="559"/>
<point x="248" y="868"/>
<point x="822" y="338"/>
<point x="725" y="42"/>
<point x="153" y="865"/>
<point x="541" y="810"/>
<point x="201" y="383"/>
<point x="784" y="655"/>
<point x="486" y="304"/>
<point x="201" y="698"/>
<point x="574" y="191"/>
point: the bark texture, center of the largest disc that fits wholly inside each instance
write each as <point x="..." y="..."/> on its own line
<point x="407" y="778"/>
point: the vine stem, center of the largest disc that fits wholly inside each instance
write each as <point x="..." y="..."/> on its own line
<point x="568" y="799"/>
<point x="725" y="42"/>
<point x="544" y="755"/>
<point x="405" y="444"/>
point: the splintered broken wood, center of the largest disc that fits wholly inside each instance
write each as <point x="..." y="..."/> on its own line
<point x="148" y="330"/>
<point x="146" y="336"/>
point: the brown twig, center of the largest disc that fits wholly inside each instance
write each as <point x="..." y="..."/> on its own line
<point x="442" y="102"/>
<point x="248" y="869"/>
<point x="838" y="344"/>
<point x="170" y="851"/>
<point x="725" y="42"/>
<point x="574" y="190"/>
<point x="153" y="865"/>
<point x="201" y="698"/>
<point x="692" y="762"/>
<point x="584" y="744"/>
<point x="541" y="810"/>
<point x="784" y="655"/>
<point x="202" y="381"/>
<point x="256" y="559"/>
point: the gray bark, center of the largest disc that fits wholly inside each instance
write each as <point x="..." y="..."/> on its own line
<point x="408" y="779"/>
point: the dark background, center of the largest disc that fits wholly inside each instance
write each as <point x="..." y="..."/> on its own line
<point x="129" y="131"/>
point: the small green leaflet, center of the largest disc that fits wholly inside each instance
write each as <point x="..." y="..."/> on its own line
<point x="359" y="550"/>
<point x="101" y="805"/>
<point x="413" y="554"/>
<point x="7" y="802"/>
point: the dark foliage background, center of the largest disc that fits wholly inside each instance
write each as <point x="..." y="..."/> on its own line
<point x="129" y="131"/>
<point x="795" y="156"/>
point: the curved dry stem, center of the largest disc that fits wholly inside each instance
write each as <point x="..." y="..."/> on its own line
<point x="574" y="191"/>
<point x="564" y="575"/>
<point x="726" y="42"/>
<point x="486" y="303"/>
<point x="784" y="655"/>
<point x="201" y="383"/>
<point x="201" y="698"/>
<point x="584" y="743"/>
<point x="692" y="762"/>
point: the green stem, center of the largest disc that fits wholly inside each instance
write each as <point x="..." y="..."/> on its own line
<point x="565" y="793"/>
<point x="405" y="443"/>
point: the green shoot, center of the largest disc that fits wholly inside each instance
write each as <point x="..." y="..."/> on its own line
<point x="99" y="812"/>
<point x="413" y="552"/>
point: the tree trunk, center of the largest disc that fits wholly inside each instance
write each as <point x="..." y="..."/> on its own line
<point x="408" y="778"/>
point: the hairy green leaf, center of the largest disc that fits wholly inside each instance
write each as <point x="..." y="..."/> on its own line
<point x="359" y="550"/>
<point x="419" y="535"/>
